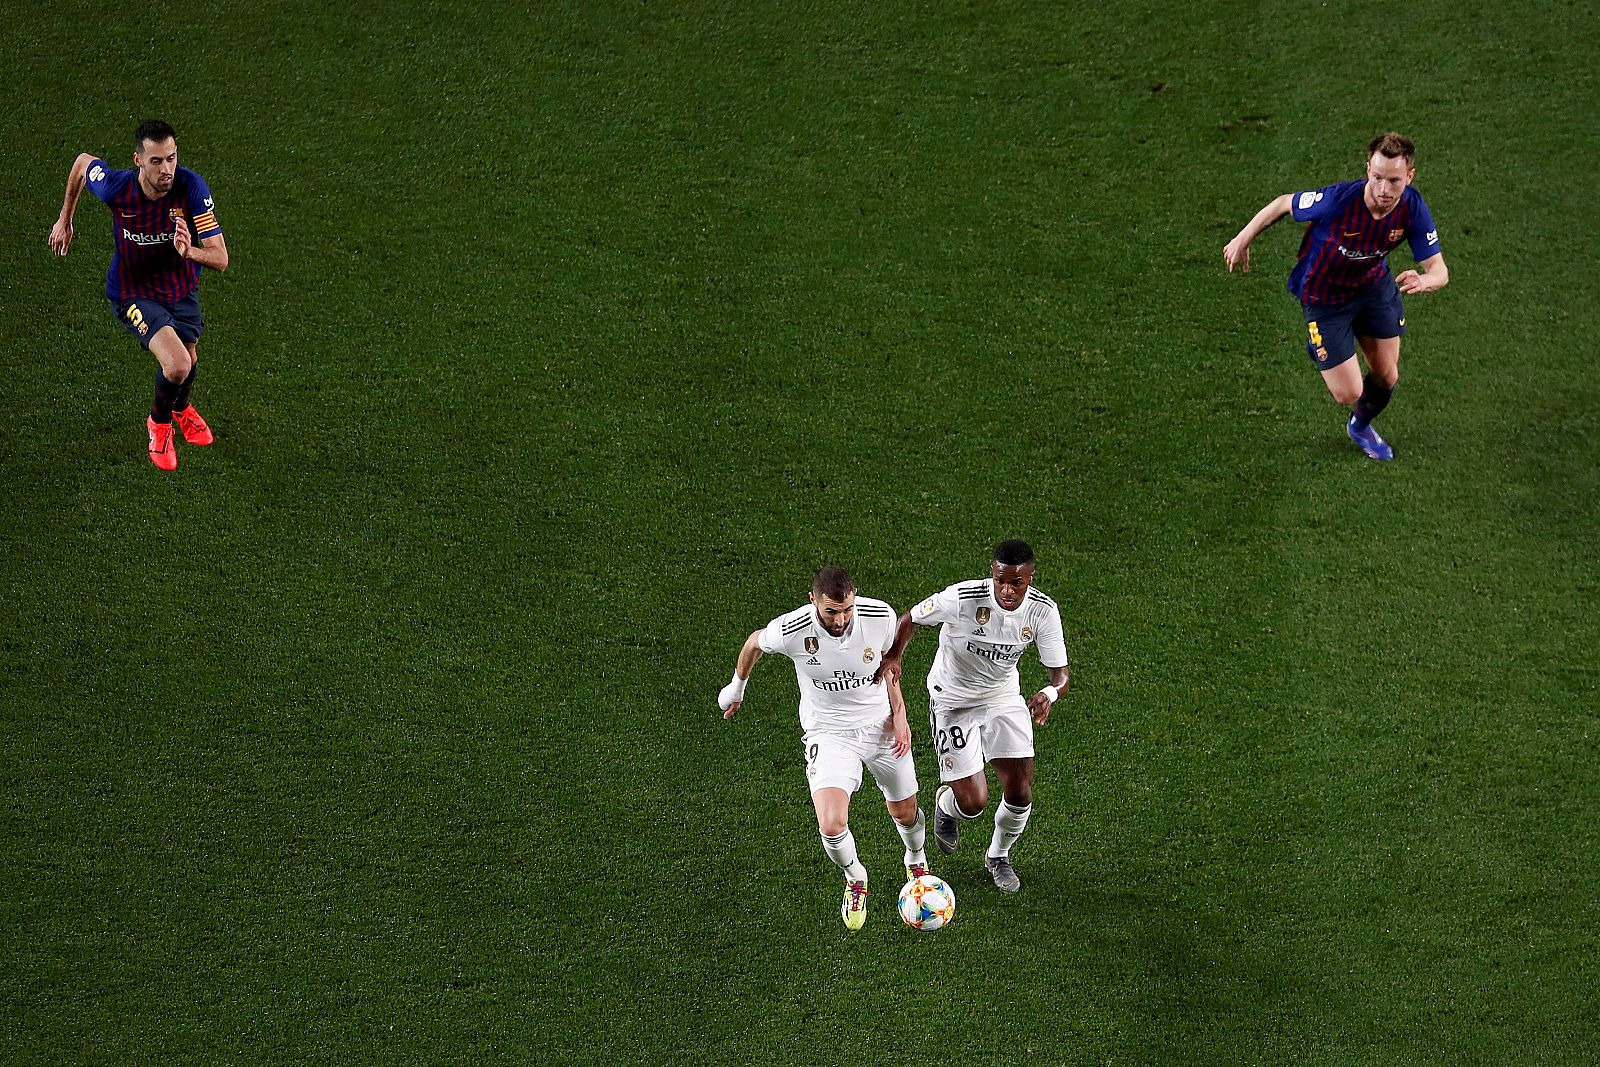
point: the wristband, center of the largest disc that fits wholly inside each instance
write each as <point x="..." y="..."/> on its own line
<point x="1052" y="692"/>
<point x="737" y="685"/>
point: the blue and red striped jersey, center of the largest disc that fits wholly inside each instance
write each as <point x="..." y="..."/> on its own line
<point x="143" y="263"/>
<point x="1345" y="249"/>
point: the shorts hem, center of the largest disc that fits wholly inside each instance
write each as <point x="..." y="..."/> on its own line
<point x="1329" y="364"/>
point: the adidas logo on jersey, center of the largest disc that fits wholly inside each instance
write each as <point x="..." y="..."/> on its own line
<point x="980" y="632"/>
<point x="813" y="662"/>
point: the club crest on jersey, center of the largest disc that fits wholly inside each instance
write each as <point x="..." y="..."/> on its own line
<point x="1395" y="235"/>
<point x="812" y="644"/>
<point x="1027" y="633"/>
<point x="866" y="657"/>
<point x="983" y="616"/>
<point x="176" y="213"/>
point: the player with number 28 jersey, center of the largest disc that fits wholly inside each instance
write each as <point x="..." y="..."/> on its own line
<point x="980" y="643"/>
<point x="975" y="701"/>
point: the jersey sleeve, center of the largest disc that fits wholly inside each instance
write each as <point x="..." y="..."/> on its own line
<point x="1422" y="233"/>
<point x="943" y="606"/>
<point x="201" y="209"/>
<point x="1052" y="642"/>
<point x="104" y="182"/>
<point x="772" y="639"/>
<point x="1315" y="204"/>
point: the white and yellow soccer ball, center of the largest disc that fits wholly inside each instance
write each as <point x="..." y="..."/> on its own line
<point x="927" y="903"/>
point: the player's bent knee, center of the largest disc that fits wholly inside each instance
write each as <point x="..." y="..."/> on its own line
<point x="972" y="800"/>
<point x="175" y="360"/>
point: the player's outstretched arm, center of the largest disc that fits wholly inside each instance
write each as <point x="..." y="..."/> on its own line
<point x="61" y="232"/>
<point x="1430" y="276"/>
<point x="894" y="657"/>
<point x="1042" y="701"/>
<point x="1237" y="251"/>
<point x="732" y="694"/>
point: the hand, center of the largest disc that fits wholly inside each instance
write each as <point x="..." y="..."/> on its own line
<point x="181" y="241"/>
<point x="729" y="699"/>
<point x="1411" y="283"/>
<point x="1237" y="254"/>
<point x="902" y="735"/>
<point x="61" y="236"/>
<point x="1040" y="706"/>
<point x="888" y="667"/>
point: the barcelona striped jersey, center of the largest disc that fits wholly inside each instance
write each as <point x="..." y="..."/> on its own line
<point x="143" y="263"/>
<point x="1345" y="249"/>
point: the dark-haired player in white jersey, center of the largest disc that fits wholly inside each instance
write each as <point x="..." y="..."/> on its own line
<point x="849" y="719"/>
<point x="975" y="697"/>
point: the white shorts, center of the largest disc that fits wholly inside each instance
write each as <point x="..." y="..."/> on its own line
<point x="834" y="761"/>
<point x="966" y="736"/>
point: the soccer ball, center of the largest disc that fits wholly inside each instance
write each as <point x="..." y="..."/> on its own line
<point x="927" y="903"/>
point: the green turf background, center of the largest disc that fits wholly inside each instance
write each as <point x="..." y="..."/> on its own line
<point x="562" y="342"/>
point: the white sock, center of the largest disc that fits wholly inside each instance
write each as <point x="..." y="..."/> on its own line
<point x="842" y="851"/>
<point x="948" y="805"/>
<point x="916" y="838"/>
<point x="1009" y="823"/>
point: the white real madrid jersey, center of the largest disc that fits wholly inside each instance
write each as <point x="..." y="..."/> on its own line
<point x="835" y="673"/>
<point x="980" y="642"/>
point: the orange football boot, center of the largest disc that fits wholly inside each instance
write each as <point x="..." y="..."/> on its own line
<point x="195" y="430"/>
<point x="163" y="453"/>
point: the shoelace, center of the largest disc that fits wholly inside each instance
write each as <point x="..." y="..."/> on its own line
<point x="858" y="895"/>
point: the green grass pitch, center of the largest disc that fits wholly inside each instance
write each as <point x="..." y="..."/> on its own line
<point x="563" y="341"/>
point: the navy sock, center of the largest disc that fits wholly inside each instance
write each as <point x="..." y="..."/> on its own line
<point x="1374" y="398"/>
<point x="184" y="387"/>
<point x="166" y="394"/>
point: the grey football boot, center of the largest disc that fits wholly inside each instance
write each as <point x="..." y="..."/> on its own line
<point x="1004" y="875"/>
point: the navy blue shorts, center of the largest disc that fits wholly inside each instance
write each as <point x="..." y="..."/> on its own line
<point x="1332" y="329"/>
<point x="144" y="317"/>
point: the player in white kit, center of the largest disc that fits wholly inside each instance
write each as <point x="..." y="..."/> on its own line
<point x="975" y="699"/>
<point x="849" y="719"/>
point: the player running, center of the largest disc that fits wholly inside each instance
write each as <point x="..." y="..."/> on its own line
<point x="1342" y="277"/>
<point x="848" y="720"/>
<point x="165" y="230"/>
<point x="975" y="697"/>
